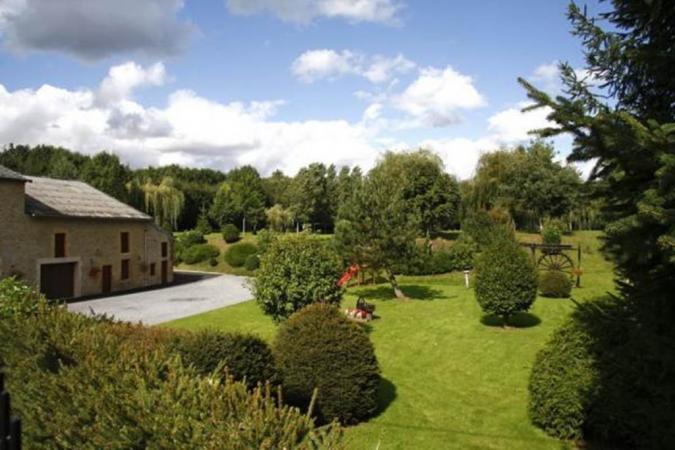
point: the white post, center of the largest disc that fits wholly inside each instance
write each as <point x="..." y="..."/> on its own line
<point x="466" y="278"/>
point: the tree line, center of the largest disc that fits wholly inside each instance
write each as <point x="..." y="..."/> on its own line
<point x="525" y="182"/>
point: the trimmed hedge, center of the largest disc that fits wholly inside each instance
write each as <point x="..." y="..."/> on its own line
<point x="295" y="271"/>
<point x="230" y="233"/>
<point x="506" y="280"/>
<point x="555" y="284"/>
<point x="242" y="356"/>
<point x="199" y="253"/>
<point x="318" y="347"/>
<point x="190" y="238"/>
<point x="85" y="383"/>
<point x="459" y="256"/>
<point x="236" y="254"/>
<point x="608" y="375"/>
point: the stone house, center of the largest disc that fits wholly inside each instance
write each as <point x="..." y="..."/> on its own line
<point x="71" y="240"/>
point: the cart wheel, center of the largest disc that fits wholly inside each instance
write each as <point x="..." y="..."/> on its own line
<point x="556" y="261"/>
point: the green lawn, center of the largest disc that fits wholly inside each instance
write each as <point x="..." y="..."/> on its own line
<point x="452" y="379"/>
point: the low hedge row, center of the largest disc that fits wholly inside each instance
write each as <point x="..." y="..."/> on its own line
<point x="237" y="254"/>
<point x="91" y="383"/>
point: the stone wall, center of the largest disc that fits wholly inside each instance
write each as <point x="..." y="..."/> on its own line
<point x="28" y="242"/>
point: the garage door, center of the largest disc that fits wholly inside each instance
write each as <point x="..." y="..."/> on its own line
<point x="57" y="281"/>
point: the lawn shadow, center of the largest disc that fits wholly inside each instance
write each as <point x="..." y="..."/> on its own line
<point x="386" y="394"/>
<point x="412" y="291"/>
<point x="518" y="320"/>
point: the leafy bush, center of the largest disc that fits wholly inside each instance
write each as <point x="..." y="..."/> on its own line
<point x="506" y="280"/>
<point x="90" y="384"/>
<point x="318" y="347"/>
<point x="294" y="272"/>
<point x="607" y="374"/>
<point x="484" y="227"/>
<point x="463" y="253"/>
<point x="199" y="253"/>
<point x="555" y="284"/>
<point x="17" y="298"/>
<point x="562" y="383"/>
<point x="231" y="233"/>
<point x="244" y="357"/>
<point x="213" y="262"/>
<point x="264" y="239"/>
<point x="252" y="263"/>
<point x="190" y="238"/>
<point x="236" y="254"/>
<point x="551" y="233"/>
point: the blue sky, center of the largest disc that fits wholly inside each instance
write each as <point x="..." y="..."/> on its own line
<point x="277" y="83"/>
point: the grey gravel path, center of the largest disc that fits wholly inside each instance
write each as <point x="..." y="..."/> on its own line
<point x="171" y="302"/>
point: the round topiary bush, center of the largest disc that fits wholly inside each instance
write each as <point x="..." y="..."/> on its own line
<point x="230" y="233"/>
<point x="506" y="280"/>
<point x="562" y="383"/>
<point x="237" y="254"/>
<point x="463" y="253"/>
<point x="555" y="284"/>
<point x="252" y="263"/>
<point x="295" y="271"/>
<point x="318" y="347"/>
<point x="199" y="253"/>
<point x="213" y="262"/>
<point x="243" y="356"/>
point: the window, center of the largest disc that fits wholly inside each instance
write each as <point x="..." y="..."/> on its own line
<point x="152" y="269"/>
<point x="124" y="241"/>
<point x="125" y="269"/>
<point x="59" y="245"/>
<point x="165" y="249"/>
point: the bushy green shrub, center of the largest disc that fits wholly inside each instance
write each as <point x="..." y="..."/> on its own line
<point x="607" y="375"/>
<point x="295" y="271"/>
<point x="17" y="298"/>
<point x="199" y="253"/>
<point x="506" y="280"/>
<point x="318" y="347"/>
<point x="484" y="227"/>
<point x="82" y="383"/>
<point x="264" y="239"/>
<point x="242" y="356"/>
<point x="190" y="238"/>
<point x="236" y="254"/>
<point x="252" y="263"/>
<point x="562" y="383"/>
<point x="463" y="253"/>
<point x="213" y="262"/>
<point x="551" y="233"/>
<point x="555" y="284"/>
<point x="231" y="233"/>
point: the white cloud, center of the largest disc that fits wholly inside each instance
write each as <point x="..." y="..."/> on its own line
<point x="513" y="125"/>
<point x="122" y="79"/>
<point x="306" y="11"/>
<point x="196" y="131"/>
<point x="318" y="64"/>
<point x="436" y="96"/>
<point x="94" y="30"/>
<point x="547" y="77"/>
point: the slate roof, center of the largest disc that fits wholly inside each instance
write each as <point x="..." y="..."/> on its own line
<point x="6" y="174"/>
<point x="48" y="197"/>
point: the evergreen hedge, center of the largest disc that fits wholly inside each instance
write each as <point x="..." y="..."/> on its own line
<point x="89" y="383"/>
<point x="242" y="356"/>
<point x="506" y="280"/>
<point x="318" y="347"/>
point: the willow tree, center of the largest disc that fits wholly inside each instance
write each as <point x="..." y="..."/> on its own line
<point x="164" y="201"/>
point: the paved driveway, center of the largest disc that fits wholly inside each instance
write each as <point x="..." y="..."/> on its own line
<point x="193" y="294"/>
